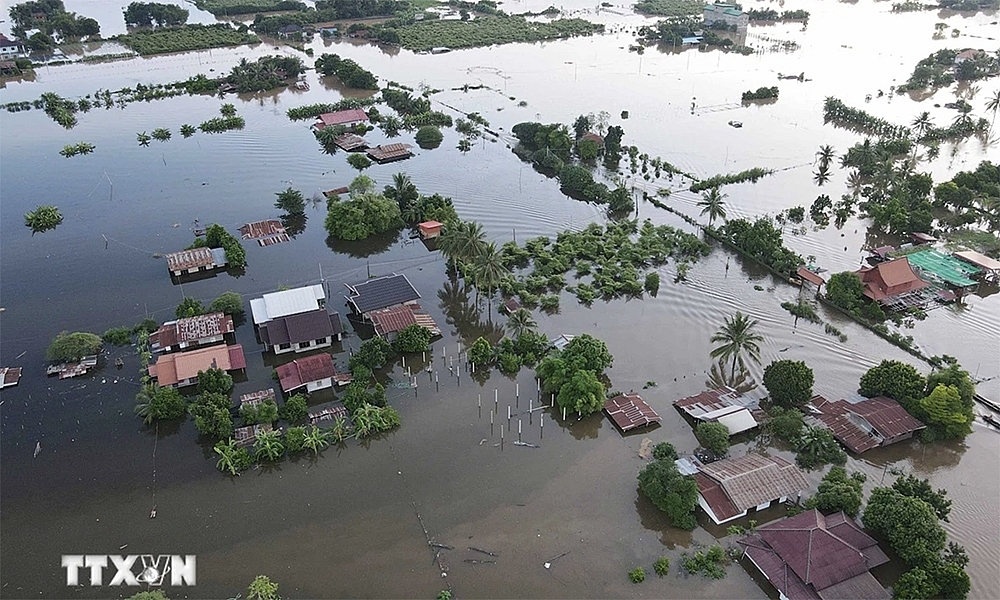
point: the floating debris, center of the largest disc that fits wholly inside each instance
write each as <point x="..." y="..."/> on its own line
<point x="486" y="552"/>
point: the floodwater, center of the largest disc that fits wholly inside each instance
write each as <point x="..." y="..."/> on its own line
<point x="356" y="521"/>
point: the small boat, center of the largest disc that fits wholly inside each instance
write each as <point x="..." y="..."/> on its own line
<point x="736" y="124"/>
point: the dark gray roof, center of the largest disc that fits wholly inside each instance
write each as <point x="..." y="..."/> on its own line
<point x="303" y="327"/>
<point x="382" y="292"/>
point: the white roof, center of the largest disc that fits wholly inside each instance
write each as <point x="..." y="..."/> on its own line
<point x="287" y="302"/>
<point x="562" y="341"/>
<point x="738" y="421"/>
<point x="720" y="412"/>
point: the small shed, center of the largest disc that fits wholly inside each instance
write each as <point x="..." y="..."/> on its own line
<point x="990" y="266"/>
<point x="336" y="192"/>
<point x="511" y="305"/>
<point x="195" y="260"/>
<point x="389" y="153"/>
<point x="630" y="411"/>
<point x="267" y="233"/>
<point x="919" y="237"/>
<point x="806" y="275"/>
<point x="430" y="229"/>
<point x="9" y="376"/>
<point x="350" y="142"/>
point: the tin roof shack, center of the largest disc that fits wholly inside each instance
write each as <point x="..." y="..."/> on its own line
<point x="630" y="411"/>
<point x="245" y="436"/>
<point x="181" y="369"/>
<point x="182" y="334"/>
<point x="350" y="142"/>
<point x="388" y="322"/>
<point x="68" y="370"/>
<point x="389" y="153"/>
<point x="328" y="414"/>
<point x="990" y="267"/>
<point x="889" y="280"/>
<point x="867" y="423"/>
<point x="723" y="405"/>
<point x="430" y="229"/>
<point x="258" y="397"/>
<point x="267" y="233"/>
<point x="815" y="557"/>
<point x="347" y="117"/>
<point x="729" y="488"/>
<point x="381" y="292"/>
<point x="9" y="376"/>
<point x="312" y="372"/>
<point x="196" y="260"/>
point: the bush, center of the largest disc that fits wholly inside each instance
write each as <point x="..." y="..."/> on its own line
<point x="673" y="493"/>
<point x="664" y="451"/>
<point x="296" y="409"/>
<point x="359" y="161"/>
<point x="118" y="336"/>
<point x="291" y="201"/>
<point x="295" y="438"/>
<point x="229" y="303"/>
<point x="662" y="566"/>
<point x="189" y="307"/>
<point x="265" y="412"/>
<point x="509" y="363"/>
<point x="637" y="575"/>
<point x="789" y="382"/>
<point x="786" y="423"/>
<point x="363" y="215"/>
<point x="481" y="352"/>
<point x="215" y="381"/>
<point x="711" y="564"/>
<point x="429" y="137"/>
<point x="713" y="437"/>
<point x="652" y="283"/>
<point x="43" y="219"/>
<point x="838" y="492"/>
<point x="71" y="347"/>
<point x="413" y="338"/>
<point x="817" y="447"/>
<point x="372" y="354"/>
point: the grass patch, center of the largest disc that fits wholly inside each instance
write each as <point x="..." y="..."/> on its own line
<point x="486" y="31"/>
<point x="670" y="8"/>
<point x="182" y="39"/>
<point x="637" y="575"/>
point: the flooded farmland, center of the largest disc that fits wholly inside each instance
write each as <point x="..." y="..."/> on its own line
<point x="355" y="522"/>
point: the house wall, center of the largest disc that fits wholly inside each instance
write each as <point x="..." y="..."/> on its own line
<point x="322" y="384"/>
<point x="311" y="345"/>
<point x="711" y="515"/>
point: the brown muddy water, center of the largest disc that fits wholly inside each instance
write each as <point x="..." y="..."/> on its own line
<point x="347" y="524"/>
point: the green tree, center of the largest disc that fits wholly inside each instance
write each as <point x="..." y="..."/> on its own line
<point x="953" y="582"/>
<point x="789" y="382"/>
<point x="713" y="437"/>
<point x="737" y="336"/>
<point x="785" y="423"/>
<point x="671" y="492"/>
<point x="489" y="269"/>
<point x="838" y="491"/>
<point x="165" y="403"/>
<point x="429" y="137"/>
<point x="214" y="380"/>
<point x="232" y="457"/>
<point x="908" y="485"/>
<point x="295" y="439"/>
<point x="588" y="149"/>
<point x="262" y="588"/>
<point x="894" y="379"/>
<point x="521" y="321"/>
<point x="553" y="371"/>
<point x="583" y="393"/>
<point x="267" y="446"/>
<point x="149" y="595"/>
<point x="817" y="446"/>
<point x="291" y="201"/>
<point x="210" y="419"/>
<point x="664" y="451"/>
<point x="359" y="161"/>
<point x="712" y="204"/>
<point x="71" y="347"/>
<point x="944" y="412"/>
<point x="413" y="338"/>
<point x="230" y="303"/>
<point x="265" y="412"/>
<point x="364" y="214"/>
<point x="481" y="352"/>
<point x="373" y="354"/>
<point x="908" y="524"/>
<point x="846" y="291"/>
<point x="915" y="584"/>
<point x="588" y="353"/>
<point x="189" y="307"/>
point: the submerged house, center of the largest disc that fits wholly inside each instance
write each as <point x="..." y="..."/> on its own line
<point x="722" y="405"/>
<point x="195" y="260"/>
<point x="381" y="292"/>
<point x="295" y="320"/>
<point x="9" y="376"/>
<point x="388" y="322"/>
<point x="729" y="488"/>
<point x="190" y="332"/>
<point x="181" y="369"/>
<point x="630" y="411"/>
<point x="889" y="280"/>
<point x="312" y="372"/>
<point x="347" y="118"/>
<point x="267" y="232"/>
<point x="389" y="153"/>
<point x="867" y="423"/>
<point x="815" y="557"/>
<point x="730" y="14"/>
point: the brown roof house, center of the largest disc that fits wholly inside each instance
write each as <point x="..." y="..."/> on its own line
<point x="815" y="557"/>
<point x="388" y="322"/>
<point x="889" y="279"/>
<point x="629" y="411"/>
<point x="722" y="405"/>
<point x="195" y="260"/>
<point x="182" y="334"/>
<point x="729" y="488"/>
<point x="181" y="368"/>
<point x="312" y="372"/>
<point x="295" y="320"/>
<point x="351" y="116"/>
<point x="867" y="423"/>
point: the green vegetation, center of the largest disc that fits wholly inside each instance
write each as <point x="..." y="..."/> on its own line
<point x="247" y="7"/>
<point x="43" y="219"/>
<point x="785" y="424"/>
<point x="762" y="93"/>
<point x="752" y="175"/>
<point x="671" y="492"/>
<point x="789" y="382"/>
<point x="838" y="491"/>
<point x="652" y="283"/>
<point x="909" y="525"/>
<point x="370" y="420"/>
<point x="637" y="575"/>
<point x="672" y="31"/>
<point x="429" y="137"/>
<point x="347" y="71"/>
<point x="266" y="73"/>
<point x="908" y="485"/>
<point x="262" y="588"/>
<point x="184" y="39"/>
<point x="769" y="14"/>
<point x="737" y="336"/>
<point x="762" y="241"/>
<point x="189" y="307"/>
<point x="71" y="347"/>
<point x="713" y="437"/>
<point x="50" y="18"/>
<point x="365" y="213"/>
<point x="211" y="414"/>
<point x="217" y="237"/>
<point x="149" y="14"/>
<point x="841" y="115"/>
<point x="161" y="134"/>
<point x="974" y="198"/>
<point x="802" y="310"/>
<point x="816" y="447"/>
<point x="267" y="446"/>
<point x="669" y="8"/>
<point x="221" y="124"/>
<point x="413" y="338"/>
<point x="58" y="108"/>
<point x="295" y="409"/>
<point x="291" y="202"/>
<point x="711" y="564"/>
<point x="74" y="149"/>
<point x="265" y="412"/>
<point x="154" y="403"/>
<point x="310" y="111"/>
<point x="118" y="336"/>
<point x="233" y="458"/>
<point x="487" y="31"/>
<point x="939" y="70"/>
<point x="574" y="374"/>
<point x="662" y="566"/>
<point x="326" y="10"/>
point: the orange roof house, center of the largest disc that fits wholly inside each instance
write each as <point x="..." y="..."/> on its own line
<point x="181" y="368"/>
<point x="889" y="279"/>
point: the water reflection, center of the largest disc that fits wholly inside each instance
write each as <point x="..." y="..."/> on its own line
<point x="294" y="224"/>
<point x="655" y="519"/>
<point x="462" y="314"/>
<point x="370" y="246"/>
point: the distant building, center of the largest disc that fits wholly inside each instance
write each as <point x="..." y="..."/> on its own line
<point x="347" y="117"/>
<point x="811" y="557"/>
<point x="965" y="55"/>
<point x="890" y="279"/>
<point x="867" y="423"/>
<point x="727" y="13"/>
<point x="289" y="30"/>
<point x="295" y="320"/>
<point x="195" y="260"/>
<point x="181" y="369"/>
<point x="10" y="48"/>
<point x="187" y="333"/>
<point x="729" y="488"/>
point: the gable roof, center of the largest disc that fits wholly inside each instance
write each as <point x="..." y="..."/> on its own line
<point x="888" y="418"/>
<point x="812" y="556"/>
<point x="305" y="370"/>
<point x="710" y="401"/>
<point x="629" y="411"/>
<point x="752" y="479"/>
<point x="393" y="319"/>
<point x="191" y="329"/>
<point x="890" y="278"/>
<point x="341" y="117"/>
<point x="173" y="368"/>
<point x="381" y="292"/>
<point x="189" y="259"/>
<point x="388" y="152"/>
<point x="301" y="327"/>
<point x="286" y="302"/>
<point x="809" y="276"/>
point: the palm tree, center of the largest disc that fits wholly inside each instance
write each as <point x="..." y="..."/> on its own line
<point x="489" y="271"/>
<point x="521" y="321"/>
<point x="737" y="335"/>
<point x="463" y="242"/>
<point x="143" y="407"/>
<point x="268" y="445"/>
<point x="712" y="205"/>
<point x="993" y="105"/>
<point x="822" y="175"/>
<point x="922" y="123"/>
<point x="228" y="461"/>
<point x="719" y="378"/>
<point x="825" y="155"/>
<point x="316" y="439"/>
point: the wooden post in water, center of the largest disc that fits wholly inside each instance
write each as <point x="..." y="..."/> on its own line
<point x="564" y="413"/>
<point x="508" y="415"/>
<point x="519" y="430"/>
<point x="517" y="394"/>
<point x="501" y="436"/>
<point x="496" y="401"/>
<point x="404" y="361"/>
<point x="491" y="424"/>
<point x="541" y="426"/>
<point x="437" y="384"/>
<point x="530" y="413"/>
<point x="480" y="406"/>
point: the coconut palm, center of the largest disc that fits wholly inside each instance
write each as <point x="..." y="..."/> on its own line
<point x="712" y="204"/>
<point x="737" y="336"/>
<point x="521" y="321"/>
<point x="489" y="270"/>
<point x="719" y="378"/>
<point x="822" y="175"/>
<point x="993" y="104"/>
<point x="143" y="407"/>
<point x="268" y="446"/>
<point x="922" y="123"/>
<point x="825" y="155"/>
<point x="463" y="242"/>
<point x="316" y="439"/>
<point x="228" y="452"/>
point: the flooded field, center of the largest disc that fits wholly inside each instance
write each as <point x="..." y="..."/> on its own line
<point x="356" y="521"/>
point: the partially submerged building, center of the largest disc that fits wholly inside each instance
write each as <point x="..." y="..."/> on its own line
<point x="389" y="153"/>
<point x="195" y="260"/>
<point x="730" y="488"/>
<point x="866" y="423"/>
<point x="730" y="14"/>
<point x="990" y="267"/>
<point x="891" y="282"/>
<point x="266" y="233"/>
<point x="381" y="292"/>
<point x="295" y="320"/>
<point x="182" y="334"/>
<point x="181" y="369"/>
<point x="351" y="116"/>
<point x="388" y="322"/>
<point x="722" y="405"/>
<point x="312" y="373"/>
<point x="815" y="557"/>
<point x="630" y="411"/>
<point x="9" y="376"/>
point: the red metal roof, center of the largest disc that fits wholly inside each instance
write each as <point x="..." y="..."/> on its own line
<point x="886" y="416"/>
<point x="709" y="401"/>
<point x="191" y="329"/>
<point x="236" y="358"/>
<point x="342" y="117"/>
<point x="9" y="376"/>
<point x="715" y="497"/>
<point x="305" y="370"/>
<point x="629" y="411"/>
<point x="261" y="230"/>
<point x="389" y="152"/>
<point x="393" y="319"/>
<point x="809" y="276"/>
